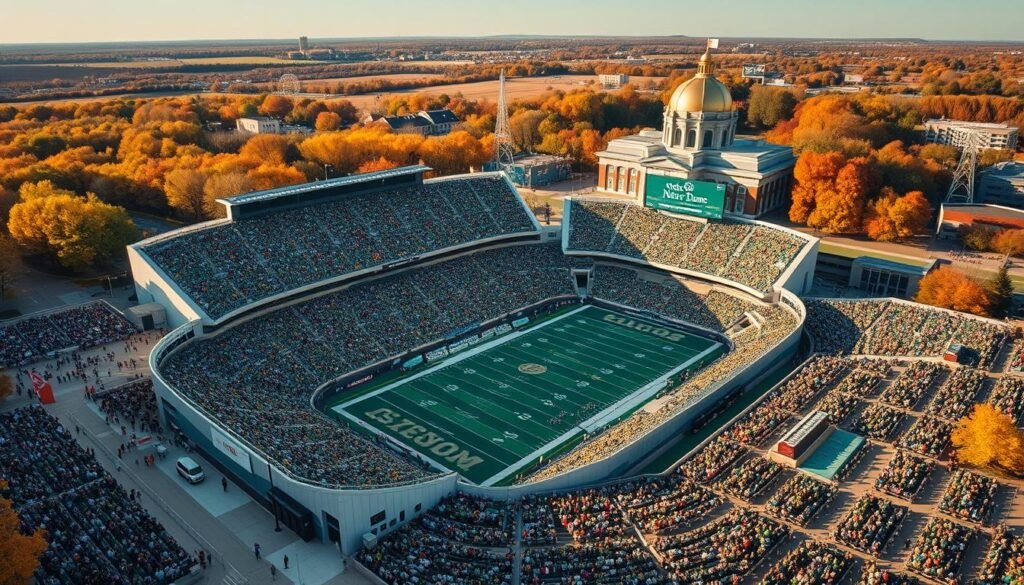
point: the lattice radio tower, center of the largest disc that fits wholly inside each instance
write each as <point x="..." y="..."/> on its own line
<point x="503" y="150"/>
<point x="961" y="190"/>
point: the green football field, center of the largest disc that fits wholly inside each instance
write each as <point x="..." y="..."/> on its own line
<point x="499" y="406"/>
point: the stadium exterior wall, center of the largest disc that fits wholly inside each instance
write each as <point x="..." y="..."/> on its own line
<point x="797" y="278"/>
<point x="352" y="507"/>
<point x="153" y="286"/>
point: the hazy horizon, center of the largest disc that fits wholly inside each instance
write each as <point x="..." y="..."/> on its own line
<point x="118" y="21"/>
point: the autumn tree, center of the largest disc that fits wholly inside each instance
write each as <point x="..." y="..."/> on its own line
<point x="381" y="164"/>
<point x="988" y="437"/>
<point x="78" y="232"/>
<point x="949" y="288"/>
<point x="327" y="121"/>
<point x="769" y="105"/>
<point x="831" y="191"/>
<point x="978" y="236"/>
<point x="6" y="386"/>
<point x="19" y="553"/>
<point x="266" y="148"/>
<point x="1009" y="242"/>
<point x="277" y="106"/>
<point x="893" y="218"/>
<point x="185" y="193"/>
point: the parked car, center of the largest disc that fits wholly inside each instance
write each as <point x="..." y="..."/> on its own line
<point x="190" y="470"/>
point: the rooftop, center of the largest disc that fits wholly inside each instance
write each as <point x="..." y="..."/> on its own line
<point x="964" y="124"/>
<point x="1009" y="169"/>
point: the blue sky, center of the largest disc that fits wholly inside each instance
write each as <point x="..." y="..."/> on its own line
<point x="27" y="21"/>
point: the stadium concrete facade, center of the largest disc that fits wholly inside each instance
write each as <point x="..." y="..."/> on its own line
<point x="365" y="270"/>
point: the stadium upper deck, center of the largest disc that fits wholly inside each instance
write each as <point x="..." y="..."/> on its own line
<point x="295" y="240"/>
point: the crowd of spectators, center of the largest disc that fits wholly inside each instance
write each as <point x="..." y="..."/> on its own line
<point x="870" y="524"/>
<point x="928" y="436"/>
<point x="838" y="405"/>
<point x="34" y="338"/>
<point x="1015" y="361"/>
<point x="811" y="562"/>
<point x="538" y="522"/>
<point x="96" y="532"/>
<point x="800" y="499"/>
<point x="708" y="463"/>
<point x="878" y="421"/>
<point x="862" y="382"/>
<point x="1008" y="396"/>
<point x="956" y="397"/>
<point x="257" y="377"/>
<point x="757" y="425"/>
<point x="228" y="265"/>
<point x="939" y="551"/>
<point x="819" y="374"/>
<point x="750" y="478"/>
<point x="872" y="574"/>
<point x="912" y="384"/>
<point x="890" y="328"/>
<point x="755" y="256"/>
<point x="970" y="496"/>
<point x="905" y="475"/>
<point x="470" y="520"/>
<point x="660" y="506"/>
<point x="722" y="551"/>
<point x="1004" y="561"/>
<point x="132" y="406"/>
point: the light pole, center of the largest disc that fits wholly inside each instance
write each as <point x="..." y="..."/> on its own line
<point x="326" y="166"/>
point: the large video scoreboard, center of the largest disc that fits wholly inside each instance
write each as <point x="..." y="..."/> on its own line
<point x="698" y="198"/>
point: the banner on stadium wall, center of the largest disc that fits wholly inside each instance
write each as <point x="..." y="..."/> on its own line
<point x="232" y="449"/>
<point x="520" y="321"/>
<point x="437" y="354"/>
<point x="456" y="348"/>
<point x="697" y="198"/>
<point x="362" y="380"/>
<point x="472" y="340"/>
<point x="413" y="362"/>
<point x="486" y="334"/>
<point x="42" y="389"/>
<point x="502" y="329"/>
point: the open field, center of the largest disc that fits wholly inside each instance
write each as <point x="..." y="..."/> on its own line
<point x="497" y="408"/>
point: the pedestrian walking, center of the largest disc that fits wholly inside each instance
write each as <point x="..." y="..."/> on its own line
<point x="286" y="562"/>
<point x="224" y="483"/>
<point x="273" y="573"/>
<point x="256" y="549"/>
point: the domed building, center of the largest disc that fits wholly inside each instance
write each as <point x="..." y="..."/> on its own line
<point x="698" y="142"/>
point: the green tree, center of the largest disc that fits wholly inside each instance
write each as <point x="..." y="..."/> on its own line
<point x="770" y="105"/>
<point x="1001" y="291"/>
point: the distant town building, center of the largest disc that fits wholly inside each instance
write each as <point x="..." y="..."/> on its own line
<point x="427" y="123"/>
<point x="535" y="170"/>
<point x="612" y="80"/>
<point x="954" y="133"/>
<point x="259" y="125"/>
<point x="953" y="218"/>
<point x="266" y="125"/>
<point x="303" y="45"/>
<point x="1002" y="184"/>
<point x="698" y="142"/>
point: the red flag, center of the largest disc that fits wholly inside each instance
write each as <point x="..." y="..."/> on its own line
<point x="42" y="388"/>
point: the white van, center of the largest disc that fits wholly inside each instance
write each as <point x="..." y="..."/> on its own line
<point x="190" y="470"/>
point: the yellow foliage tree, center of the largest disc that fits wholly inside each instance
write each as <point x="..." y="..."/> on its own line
<point x="949" y="288"/>
<point x="19" y="553"/>
<point x="989" y="438"/>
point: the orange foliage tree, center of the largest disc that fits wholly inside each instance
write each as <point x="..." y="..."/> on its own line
<point x="949" y="288"/>
<point x="831" y="192"/>
<point x="381" y="164"/>
<point x="988" y="437"/>
<point x="19" y="553"/>
<point x="327" y="121"/>
<point x="1009" y="242"/>
<point x="892" y="218"/>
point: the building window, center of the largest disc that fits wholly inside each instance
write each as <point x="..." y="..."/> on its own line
<point x="677" y="137"/>
<point x="609" y="178"/>
<point x="378" y="517"/>
<point x="741" y="199"/>
<point x="691" y="139"/>
<point x="631" y="188"/>
<point x="621" y="184"/>
<point x="709" y="137"/>
<point x="419" y="508"/>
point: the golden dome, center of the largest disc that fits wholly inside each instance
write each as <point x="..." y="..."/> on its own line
<point x="703" y="93"/>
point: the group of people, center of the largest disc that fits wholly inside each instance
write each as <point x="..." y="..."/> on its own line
<point x="663" y="505"/>
<point x="957" y="395"/>
<point x="95" y="530"/>
<point x="1004" y="562"/>
<point x="939" y="551"/>
<point x="811" y="562"/>
<point x="888" y="328"/>
<point x="754" y="256"/>
<point x="904" y="476"/>
<point x="800" y="499"/>
<point x="877" y="421"/>
<point x="721" y="551"/>
<point x="912" y="384"/>
<point x="870" y="524"/>
<point x="132" y="406"/>
<point x="29" y="340"/>
<point x="748" y="479"/>
<point x="804" y="386"/>
<point x="929" y="436"/>
<point x="1008" y="396"/>
<point x="227" y="266"/>
<point x="970" y="496"/>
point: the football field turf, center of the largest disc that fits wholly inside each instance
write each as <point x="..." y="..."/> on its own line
<point x="497" y="407"/>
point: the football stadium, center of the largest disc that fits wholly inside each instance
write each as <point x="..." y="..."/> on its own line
<point x="353" y="351"/>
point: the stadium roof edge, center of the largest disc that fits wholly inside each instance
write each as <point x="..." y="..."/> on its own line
<point x="270" y="194"/>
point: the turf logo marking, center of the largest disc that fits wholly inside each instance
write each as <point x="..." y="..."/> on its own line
<point x="532" y="369"/>
<point x="429" y="441"/>
<point x="661" y="332"/>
